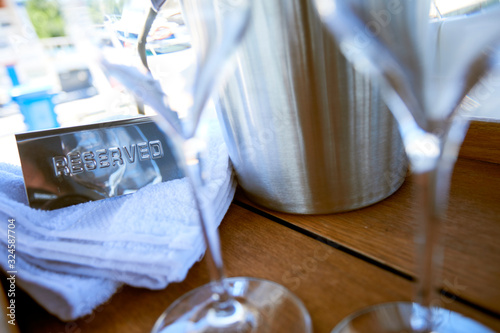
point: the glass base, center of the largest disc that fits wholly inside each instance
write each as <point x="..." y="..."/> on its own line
<point x="257" y="306"/>
<point x="407" y="317"/>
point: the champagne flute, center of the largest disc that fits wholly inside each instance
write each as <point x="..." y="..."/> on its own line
<point x="428" y="66"/>
<point x="240" y="304"/>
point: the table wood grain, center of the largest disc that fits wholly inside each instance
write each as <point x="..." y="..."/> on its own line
<point x="330" y="282"/>
<point x="384" y="232"/>
<point x="338" y="263"/>
<point x="482" y="142"/>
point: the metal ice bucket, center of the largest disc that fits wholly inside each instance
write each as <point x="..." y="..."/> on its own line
<point x="306" y="133"/>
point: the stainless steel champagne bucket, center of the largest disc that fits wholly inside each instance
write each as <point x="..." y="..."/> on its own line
<point x="306" y="133"/>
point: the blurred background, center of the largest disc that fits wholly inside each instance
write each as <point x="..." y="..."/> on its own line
<point x="44" y="83"/>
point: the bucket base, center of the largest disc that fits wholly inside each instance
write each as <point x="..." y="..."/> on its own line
<point x="325" y="206"/>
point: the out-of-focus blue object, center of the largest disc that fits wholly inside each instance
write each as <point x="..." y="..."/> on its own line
<point x="35" y="104"/>
<point x="11" y="71"/>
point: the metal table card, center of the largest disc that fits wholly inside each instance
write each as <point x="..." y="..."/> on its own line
<point x="67" y="166"/>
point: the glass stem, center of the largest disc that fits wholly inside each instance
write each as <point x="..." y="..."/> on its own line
<point x="193" y="171"/>
<point x="214" y="252"/>
<point x="433" y="185"/>
<point x="429" y="249"/>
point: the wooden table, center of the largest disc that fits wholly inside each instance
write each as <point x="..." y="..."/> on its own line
<point x="340" y="263"/>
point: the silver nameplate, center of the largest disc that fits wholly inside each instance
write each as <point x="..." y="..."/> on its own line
<point x="67" y="166"/>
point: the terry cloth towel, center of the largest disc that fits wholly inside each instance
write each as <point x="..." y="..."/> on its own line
<point x="73" y="259"/>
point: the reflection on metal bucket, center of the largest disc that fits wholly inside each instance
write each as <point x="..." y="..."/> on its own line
<point x="306" y="133"/>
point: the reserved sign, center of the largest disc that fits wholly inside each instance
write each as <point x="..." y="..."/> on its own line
<point x="68" y="166"/>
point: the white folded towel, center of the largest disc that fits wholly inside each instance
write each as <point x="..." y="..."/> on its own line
<point x="72" y="259"/>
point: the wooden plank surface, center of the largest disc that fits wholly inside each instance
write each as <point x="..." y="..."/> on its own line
<point x="384" y="232"/>
<point x="331" y="283"/>
<point x="482" y="142"/>
<point x="370" y="262"/>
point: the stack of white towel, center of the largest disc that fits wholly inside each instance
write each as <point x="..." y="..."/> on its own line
<point x="73" y="259"/>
